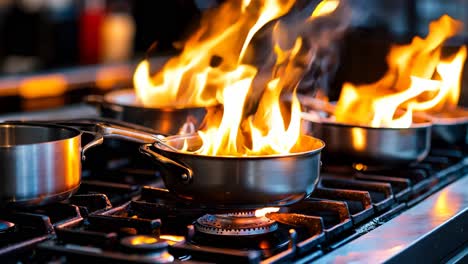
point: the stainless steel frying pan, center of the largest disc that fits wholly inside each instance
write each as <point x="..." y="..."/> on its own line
<point x="349" y="144"/>
<point x="229" y="182"/>
<point x="376" y="147"/>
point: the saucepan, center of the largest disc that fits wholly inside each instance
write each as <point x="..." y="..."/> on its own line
<point x="349" y="144"/>
<point x="40" y="163"/>
<point x="123" y="105"/>
<point x="225" y="181"/>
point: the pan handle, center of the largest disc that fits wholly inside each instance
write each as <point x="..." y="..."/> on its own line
<point x="126" y="133"/>
<point x="98" y="140"/>
<point x="133" y="135"/>
<point x="185" y="176"/>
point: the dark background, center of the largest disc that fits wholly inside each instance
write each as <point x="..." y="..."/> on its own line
<point x="38" y="36"/>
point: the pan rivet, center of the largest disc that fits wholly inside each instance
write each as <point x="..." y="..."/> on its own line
<point x="185" y="177"/>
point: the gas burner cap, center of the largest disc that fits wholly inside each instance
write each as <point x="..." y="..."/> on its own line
<point x="148" y="247"/>
<point x="235" y="224"/>
<point x="144" y="243"/>
<point x="6" y="226"/>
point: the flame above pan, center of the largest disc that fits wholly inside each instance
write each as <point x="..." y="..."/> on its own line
<point x="418" y="79"/>
<point x="244" y="56"/>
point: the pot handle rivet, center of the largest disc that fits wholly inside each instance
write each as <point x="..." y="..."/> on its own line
<point x="185" y="178"/>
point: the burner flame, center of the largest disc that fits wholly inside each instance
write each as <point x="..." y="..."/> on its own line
<point x="262" y="212"/>
<point x="143" y="240"/>
<point x="171" y="239"/>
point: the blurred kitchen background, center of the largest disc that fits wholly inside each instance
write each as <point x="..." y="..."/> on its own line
<point x="54" y="52"/>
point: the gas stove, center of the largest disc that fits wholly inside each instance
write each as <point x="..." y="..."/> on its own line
<point x="122" y="213"/>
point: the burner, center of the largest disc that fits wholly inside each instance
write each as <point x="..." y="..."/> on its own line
<point x="6" y="226"/>
<point x="154" y="248"/>
<point x="235" y="224"/>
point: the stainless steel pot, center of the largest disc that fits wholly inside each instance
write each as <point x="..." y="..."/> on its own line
<point x="122" y="105"/>
<point x="230" y="182"/>
<point x="39" y="163"/>
<point x="377" y="147"/>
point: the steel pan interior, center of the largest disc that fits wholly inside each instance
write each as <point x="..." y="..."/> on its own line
<point x="245" y="182"/>
<point x="13" y="135"/>
<point x="123" y="105"/>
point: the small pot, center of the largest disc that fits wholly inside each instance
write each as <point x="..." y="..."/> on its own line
<point x="229" y="182"/>
<point x="40" y="163"/>
<point x="122" y="105"/>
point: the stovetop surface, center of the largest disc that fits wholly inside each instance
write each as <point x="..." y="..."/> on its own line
<point x="122" y="213"/>
<point x="422" y="232"/>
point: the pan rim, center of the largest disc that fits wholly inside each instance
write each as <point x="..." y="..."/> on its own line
<point x="274" y="156"/>
<point x="109" y="98"/>
<point x="456" y="120"/>
<point x="450" y="121"/>
<point x="75" y="132"/>
<point x="426" y="124"/>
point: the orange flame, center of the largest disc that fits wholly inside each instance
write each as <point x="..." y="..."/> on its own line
<point x="190" y="79"/>
<point x="262" y="212"/>
<point x="265" y="129"/>
<point x="212" y="70"/>
<point x="418" y="79"/>
<point x="325" y="8"/>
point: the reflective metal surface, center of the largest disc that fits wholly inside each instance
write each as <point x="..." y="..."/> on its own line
<point x="122" y="105"/>
<point x="243" y="182"/>
<point x="455" y="134"/>
<point x="416" y="224"/>
<point x="38" y="162"/>
<point x="240" y="224"/>
<point x="386" y="147"/>
<point x="112" y="131"/>
<point x="229" y="182"/>
<point x="449" y="127"/>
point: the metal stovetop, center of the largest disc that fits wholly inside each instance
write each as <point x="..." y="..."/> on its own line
<point x="403" y="215"/>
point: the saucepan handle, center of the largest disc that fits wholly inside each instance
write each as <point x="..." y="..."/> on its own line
<point x="186" y="172"/>
<point x="125" y="133"/>
<point x="97" y="140"/>
<point x="133" y="135"/>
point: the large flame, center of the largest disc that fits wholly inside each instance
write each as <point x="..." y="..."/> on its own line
<point x="260" y="134"/>
<point x="191" y="79"/>
<point x="216" y="66"/>
<point x="418" y="79"/>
